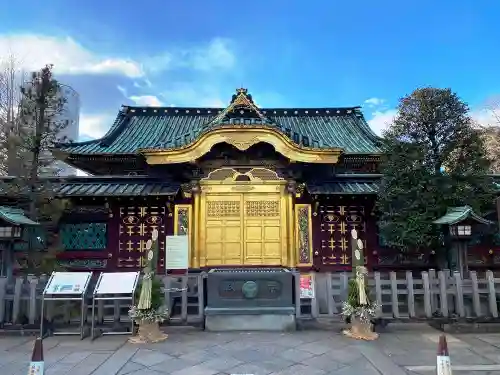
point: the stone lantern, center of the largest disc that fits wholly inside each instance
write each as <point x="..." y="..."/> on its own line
<point x="460" y="223"/>
<point x="12" y="223"/>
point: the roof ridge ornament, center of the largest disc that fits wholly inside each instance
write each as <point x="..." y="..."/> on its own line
<point x="241" y="100"/>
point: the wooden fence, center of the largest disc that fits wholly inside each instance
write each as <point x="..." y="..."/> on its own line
<point x="404" y="295"/>
<point x="21" y="301"/>
<point x="401" y="295"/>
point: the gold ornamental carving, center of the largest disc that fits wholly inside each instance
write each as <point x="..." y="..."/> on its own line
<point x="269" y="208"/>
<point x="241" y="141"/>
<point x="242" y="137"/>
<point x="230" y="175"/>
<point x="223" y="209"/>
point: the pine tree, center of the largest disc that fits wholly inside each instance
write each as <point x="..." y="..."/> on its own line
<point x="435" y="159"/>
<point x="38" y="126"/>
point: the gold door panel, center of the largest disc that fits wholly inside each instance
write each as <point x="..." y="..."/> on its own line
<point x="223" y="230"/>
<point x="243" y="229"/>
<point x="262" y="223"/>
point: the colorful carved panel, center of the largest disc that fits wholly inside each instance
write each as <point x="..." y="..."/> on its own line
<point x="336" y="223"/>
<point x="136" y="225"/>
<point x="182" y="224"/>
<point x="84" y="236"/>
<point x="303" y="234"/>
<point x="182" y="221"/>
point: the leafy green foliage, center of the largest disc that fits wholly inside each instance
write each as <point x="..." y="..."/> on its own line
<point x="26" y="140"/>
<point x="431" y="132"/>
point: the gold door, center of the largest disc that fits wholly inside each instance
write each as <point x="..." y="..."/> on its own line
<point x="243" y="229"/>
<point x="242" y="221"/>
<point x="223" y="230"/>
<point x="262" y="230"/>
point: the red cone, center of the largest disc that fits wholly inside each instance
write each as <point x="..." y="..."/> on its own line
<point x="443" y="357"/>
<point x="37" y="363"/>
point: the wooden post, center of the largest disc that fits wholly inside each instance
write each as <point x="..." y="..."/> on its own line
<point x="32" y="312"/>
<point x="410" y="294"/>
<point x="492" y="297"/>
<point x="3" y="292"/>
<point x="330" y="302"/>
<point x="427" y="295"/>
<point x="443" y="293"/>
<point x="475" y="294"/>
<point x="16" y="304"/>
<point x="432" y="283"/>
<point x="184" y="297"/>
<point x="394" y="295"/>
<point x="459" y="294"/>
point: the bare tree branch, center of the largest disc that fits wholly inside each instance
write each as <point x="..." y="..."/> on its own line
<point x="490" y="129"/>
<point x="11" y="80"/>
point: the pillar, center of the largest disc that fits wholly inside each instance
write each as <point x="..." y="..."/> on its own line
<point x="291" y="224"/>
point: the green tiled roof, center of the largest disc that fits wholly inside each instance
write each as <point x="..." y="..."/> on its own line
<point x="15" y="216"/>
<point x="127" y="186"/>
<point x="455" y="215"/>
<point x="137" y="128"/>
<point x="346" y="184"/>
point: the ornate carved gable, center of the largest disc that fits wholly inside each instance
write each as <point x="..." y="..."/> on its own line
<point x="241" y="106"/>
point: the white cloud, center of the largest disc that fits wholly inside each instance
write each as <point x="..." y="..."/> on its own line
<point x="216" y="55"/>
<point x="146" y="100"/>
<point x="69" y="57"/>
<point x="374" y="102"/>
<point x="381" y="120"/>
<point x="489" y="116"/>
<point x="95" y="125"/>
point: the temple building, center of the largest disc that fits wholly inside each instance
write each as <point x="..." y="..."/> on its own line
<point x="250" y="187"/>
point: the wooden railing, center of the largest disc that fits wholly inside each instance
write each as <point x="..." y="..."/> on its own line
<point x="405" y="295"/>
<point x="401" y="295"/>
<point x="20" y="303"/>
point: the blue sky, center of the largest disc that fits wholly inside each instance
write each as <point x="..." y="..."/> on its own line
<point x="288" y="54"/>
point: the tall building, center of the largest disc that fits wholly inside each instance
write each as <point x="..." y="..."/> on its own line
<point x="71" y="114"/>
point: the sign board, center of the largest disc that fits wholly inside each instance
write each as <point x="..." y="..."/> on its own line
<point x="68" y="283"/>
<point x="306" y="286"/>
<point x="117" y="283"/>
<point x="177" y="253"/>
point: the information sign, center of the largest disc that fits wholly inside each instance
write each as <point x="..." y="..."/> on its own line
<point x="68" y="283"/>
<point x="177" y="253"/>
<point x="306" y="286"/>
<point x="117" y="283"/>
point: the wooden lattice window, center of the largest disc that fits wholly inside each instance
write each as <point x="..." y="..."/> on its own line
<point x="84" y="236"/>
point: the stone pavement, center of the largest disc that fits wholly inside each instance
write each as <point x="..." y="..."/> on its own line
<point x="191" y="352"/>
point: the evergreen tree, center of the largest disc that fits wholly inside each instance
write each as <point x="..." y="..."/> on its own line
<point x="434" y="159"/>
<point x="38" y="127"/>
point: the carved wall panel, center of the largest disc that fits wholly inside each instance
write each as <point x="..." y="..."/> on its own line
<point x="303" y="234"/>
<point x="182" y="221"/>
<point x="136" y="225"/>
<point x="84" y="236"/>
<point x="334" y="236"/>
<point x="183" y="224"/>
